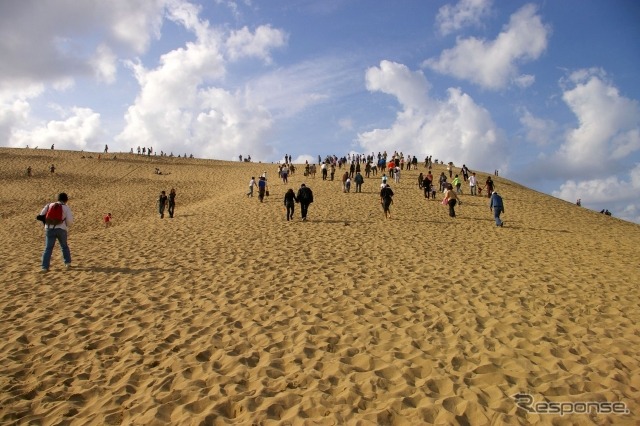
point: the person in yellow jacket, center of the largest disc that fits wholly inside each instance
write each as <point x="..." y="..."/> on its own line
<point x="457" y="184"/>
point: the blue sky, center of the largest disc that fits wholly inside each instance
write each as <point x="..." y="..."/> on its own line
<point x="545" y="91"/>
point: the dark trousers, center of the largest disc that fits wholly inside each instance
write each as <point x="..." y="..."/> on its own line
<point x="386" y="204"/>
<point x="290" y="210"/>
<point x="303" y="209"/>
<point x="452" y="205"/>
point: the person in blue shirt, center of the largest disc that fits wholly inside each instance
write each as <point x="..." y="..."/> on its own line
<point x="497" y="206"/>
<point x="262" y="188"/>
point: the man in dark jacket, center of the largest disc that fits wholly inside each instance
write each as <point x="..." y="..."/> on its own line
<point x="305" y="197"/>
<point x="359" y="181"/>
<point x="497" y="206"/>
<point x="386" y="199"/>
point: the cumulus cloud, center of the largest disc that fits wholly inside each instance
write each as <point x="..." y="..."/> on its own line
<point x="15" y="109"/>
<point x="595" y="190"/>
<point x="452" y="18"/>
<point x="105" y="64"/>
<point x="243" y="43"/>
<point x="608" y="123"/>
<point x="179" y="108"/>
<point x="524" y="80"/>
<point x="594" y="158"/>
<point x="611" y="192"/>
<point x="452" y="129"/>
<point x="302" y="159"/>
<point x="494" y="64"/>
<point x="630" y="212"/>
<point x="539" y="131"/>
<point x="410" y="88"/>
<point x="60" y="36"/>
<point x="46" y="45"/>
<point x="12" y="115"/>
<point x="80" y="130"/>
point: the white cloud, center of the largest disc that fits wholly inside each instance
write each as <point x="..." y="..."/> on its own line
<point x="8" y="94"/>
<point x="287" y="91"/>
<point x="615" y="194"/>
<point x="630" y="212"/>
<point x="453" y="129"/>
<point x="104" y="64"/>
<point x="243" y="43"/>
<point x="346" y="124"/>
<point x="187" y="15"/>
<point x="411" y="88"/>
<point x="608" y="123"/>
<point x="524" y="80"/>
<point x="538" y="131"/>
<point x="494" y="64"/>
<point x="302" y="159"/>
<point x="234" y="6"/>
<point x="635" y="177"/>
<point x="80" y="130"/>
<point x="60" y="36"/>
<point x="595" y="190"/>
<point x="134" y="24"/>
<point x="228" y="126"/>
<point x="465" y="13"/>
<point x="179" y="108"/>
<point x="12" y="115"/>
<point x="15" y="109"/>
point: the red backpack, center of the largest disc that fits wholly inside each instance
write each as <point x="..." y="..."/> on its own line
<point x="54" y="214"/>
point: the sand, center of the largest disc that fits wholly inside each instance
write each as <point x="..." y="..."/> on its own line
<point x="229" y="314"/>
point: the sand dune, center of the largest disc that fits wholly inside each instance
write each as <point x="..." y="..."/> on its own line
<point x="229" y="314"/>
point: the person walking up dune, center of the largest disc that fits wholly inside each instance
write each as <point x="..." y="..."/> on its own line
<point x="172" y="202"/>
<point x="290" y="201"/>
<point x="162" y="203"/>
<point x="451" y="199"/>
<point x="386" y="199"/>
<point x="497" y="206"/>
<point x="57" y="217"/>
<point x="305" y="197"/>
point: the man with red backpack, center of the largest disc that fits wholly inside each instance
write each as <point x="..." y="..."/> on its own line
<point x="57" y="217"/>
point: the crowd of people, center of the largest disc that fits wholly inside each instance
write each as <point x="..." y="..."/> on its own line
<point x="390" y="167"/>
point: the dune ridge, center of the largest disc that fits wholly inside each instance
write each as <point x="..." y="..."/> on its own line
<point x="229" y="314"/>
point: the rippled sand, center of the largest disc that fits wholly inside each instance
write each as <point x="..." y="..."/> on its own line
<point x="229" y="314"/>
